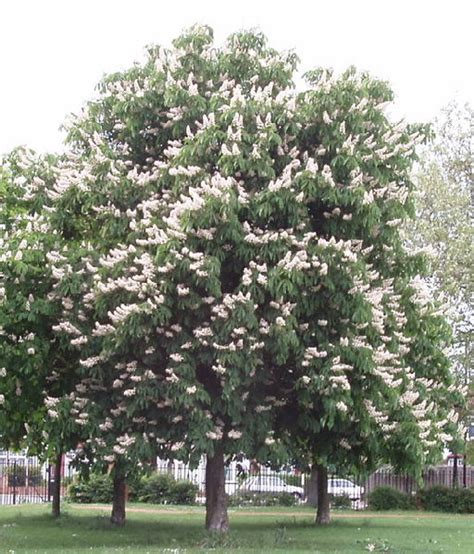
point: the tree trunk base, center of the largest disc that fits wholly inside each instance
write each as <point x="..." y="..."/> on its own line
<point x="56" y="503"/>
<point x="119" y="499"/>
<point x="323" y="514"/>
<point x="217" y="519"/>
<point x="322" y="519"/>
<point x="117" y="520"/>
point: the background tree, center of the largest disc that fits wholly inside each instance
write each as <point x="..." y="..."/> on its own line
<point x="443" y="223"/>
<point x="443" y="226"/>
<point x="37" y="365"/>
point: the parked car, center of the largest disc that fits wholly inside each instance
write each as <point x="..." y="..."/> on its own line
<point x="344" y="487"/>
<point x="270" y="484"/>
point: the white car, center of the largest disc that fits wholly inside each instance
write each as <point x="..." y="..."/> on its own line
<point x="344" y="487"/>
<point x="270" y="484"/>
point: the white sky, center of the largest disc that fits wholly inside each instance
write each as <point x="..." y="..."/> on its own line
<point x="53" y="52"/>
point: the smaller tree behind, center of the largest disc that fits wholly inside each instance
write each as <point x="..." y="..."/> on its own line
<point x="37" y="365"/>
<point x="443" y="222"/>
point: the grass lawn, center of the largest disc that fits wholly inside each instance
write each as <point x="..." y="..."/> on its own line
<point x="178" y="530"/>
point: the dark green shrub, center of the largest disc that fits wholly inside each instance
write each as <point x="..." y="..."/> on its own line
<point x="183" y="492"/>
<point x="444" y="499"/>
<point x="98" y="488"/>
<point x="247" y="498"/>
<point x="162" y="488"/>
<point x="156" y="488"/>
<point x="388" y="498"/>
<point x="340" y="502"/>
<point x="466" y="501"/>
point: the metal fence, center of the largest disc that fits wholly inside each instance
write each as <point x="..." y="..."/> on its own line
<point x="253" y="480"/>
<point x="447" y="476"/>
<point x="241" y="478"/>
<point x="26" y="480"/>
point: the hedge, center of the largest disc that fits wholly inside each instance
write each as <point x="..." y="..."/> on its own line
<point x="98" y="488"/>
<point x="388" y="498"/>
<point x="444" y="499"/>
<point x="435" y="499"/>
<point x="162" y="488"/>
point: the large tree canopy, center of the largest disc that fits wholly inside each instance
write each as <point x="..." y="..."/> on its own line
<point x="238" y="276"/>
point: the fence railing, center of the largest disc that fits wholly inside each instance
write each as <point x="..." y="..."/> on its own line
<point x="27" y="480"/>
<point x="24" y="481"/>
<point x="447" y="476"/>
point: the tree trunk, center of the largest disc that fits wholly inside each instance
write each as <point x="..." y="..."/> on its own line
<point x="464" y="472"/>
<point x="119" y="498"/>
<point x="216" y="500"/>
<point x="455" y="471"/>
<point x="323" y="514"/>
<point x="56" y="504"/>
<point x="312" y="488"/>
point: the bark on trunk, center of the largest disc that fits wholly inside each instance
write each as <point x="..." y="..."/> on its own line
<point x="464" y="472"/>
<point x="119" y="499"/>
<point x="323" y="513"/>
<point x="216" y="500"/>
<point x="455" y="471"/>
<point x="312" y="488"/>
<point x="56" y="504"/>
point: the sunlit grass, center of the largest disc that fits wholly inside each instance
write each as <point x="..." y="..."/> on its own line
<point x="156" y="529"/>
